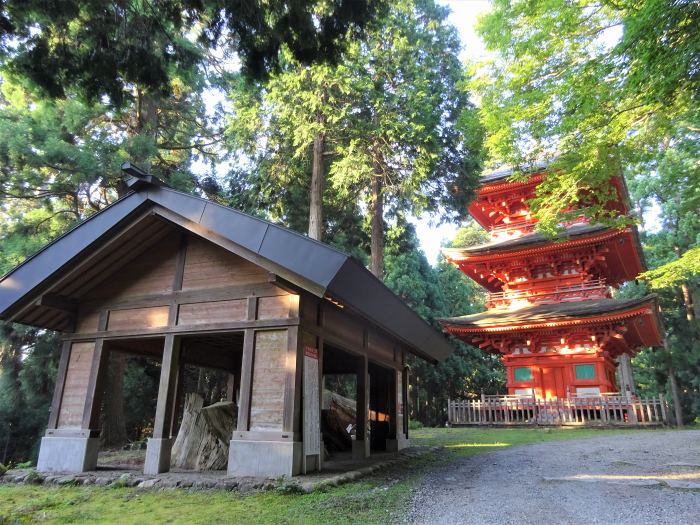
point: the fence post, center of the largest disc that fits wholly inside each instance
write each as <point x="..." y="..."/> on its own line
<point x="662" y="402"/>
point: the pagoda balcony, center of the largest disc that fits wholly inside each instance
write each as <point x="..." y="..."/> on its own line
<point x="594" y="289"/>
<point x="512" y="230"/>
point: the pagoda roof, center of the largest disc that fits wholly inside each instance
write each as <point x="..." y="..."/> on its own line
<point x="545" y="313"/>
<point x="504" y="172"/>
<point x="529" y="239"/>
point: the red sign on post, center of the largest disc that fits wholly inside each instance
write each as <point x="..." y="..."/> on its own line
<point x="310" y="351"/>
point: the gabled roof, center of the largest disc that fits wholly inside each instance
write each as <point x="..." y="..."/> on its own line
<point x="311" y="265"/>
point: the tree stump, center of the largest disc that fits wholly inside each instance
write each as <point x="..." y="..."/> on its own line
<point x="202" y="442"/>
<point x="335" y="421"/>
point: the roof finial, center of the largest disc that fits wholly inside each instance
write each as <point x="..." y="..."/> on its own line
<point x="138" y="178"/>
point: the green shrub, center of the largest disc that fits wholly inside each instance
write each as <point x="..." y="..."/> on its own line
<point x="3" y="469"/>
<point x="414" y="425"/>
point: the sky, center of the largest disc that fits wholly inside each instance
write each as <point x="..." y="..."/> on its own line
<point x="463" y="17"/>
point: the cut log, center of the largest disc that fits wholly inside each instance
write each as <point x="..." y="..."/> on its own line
<point x="337" y="417"/>
<point x="203" y="439"/>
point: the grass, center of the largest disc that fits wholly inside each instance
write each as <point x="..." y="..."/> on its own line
<point x="379" y="499"/>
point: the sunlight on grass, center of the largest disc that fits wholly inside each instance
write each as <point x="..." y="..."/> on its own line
<point x="477" y="445"/>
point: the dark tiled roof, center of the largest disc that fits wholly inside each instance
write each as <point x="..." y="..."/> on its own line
<point x="547" y="312"/>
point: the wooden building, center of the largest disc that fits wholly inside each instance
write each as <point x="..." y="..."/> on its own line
<point x="551" y="315"/>
<point x="184" y="280"/>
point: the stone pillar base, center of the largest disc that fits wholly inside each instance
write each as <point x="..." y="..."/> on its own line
<point x="360" y="449"/>
<point x="68" y="454"/>
<point x="264" y="458"/>
<point x="157" y="456"/>
<point x="394" y="445"/>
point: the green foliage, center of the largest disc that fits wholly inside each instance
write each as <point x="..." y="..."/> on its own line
<point x="104" y="50"/>
<point x="395" y="109"/>
<point x="28" y="363"/>
<point x="678" y="271"/>
<point x="562" y="87"/>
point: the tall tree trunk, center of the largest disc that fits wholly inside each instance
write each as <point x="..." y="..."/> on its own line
<point x="377" y="227"/>
<point x="316" y="193"/>
<point x="688" y="302"/>
<point x="114" y="423"/>
<point x="676" y="397"/>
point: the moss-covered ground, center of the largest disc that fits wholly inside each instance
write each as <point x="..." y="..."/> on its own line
<point x="378" y="499"/>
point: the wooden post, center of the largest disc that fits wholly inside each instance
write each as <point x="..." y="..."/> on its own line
<point x="246" y="380"/>
<point x="292" y="388"/>
<point x="159" y="446"/>
<point x="662" y="402"/>
<point x="166" y="388"/>
<point x="360" y="447"/>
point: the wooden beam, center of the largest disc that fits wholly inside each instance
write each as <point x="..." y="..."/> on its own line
<point x="60" y="383"/>
<point x="362" y="415"/>
<point x="246" y="380"/>
<point x="292" y="387"/>
<point x="231" y="326"/>
<point x="166" y="389"/>
<point x="58" y="302"/>
<point x="240" y="291"/>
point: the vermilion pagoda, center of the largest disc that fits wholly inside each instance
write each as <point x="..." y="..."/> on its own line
<point x="550" y="312"/>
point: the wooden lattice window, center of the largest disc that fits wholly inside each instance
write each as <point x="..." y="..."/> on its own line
<point x="585" y="371"/>
<point x="522" y="374"/>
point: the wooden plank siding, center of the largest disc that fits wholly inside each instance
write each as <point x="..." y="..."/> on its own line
<point x="212" y="312"/>
<point x="208" y="266"/>
<point x="134" y="318"/>
<point x="183" y="283"/>
<point x="268" y="385"/>
<point x="76" y="385"/>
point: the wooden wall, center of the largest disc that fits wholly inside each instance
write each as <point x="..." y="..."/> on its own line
<point x="76" y="385"/>
<point x="188" y="284"/>
<point x="269" y="378"/>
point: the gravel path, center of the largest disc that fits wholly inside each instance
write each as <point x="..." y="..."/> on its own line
<point x="635" y="478"/>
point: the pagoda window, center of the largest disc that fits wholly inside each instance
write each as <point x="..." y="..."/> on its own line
<point x="521" y="348"/>
<point x="585" y="371"/>
<point x="542" y="272"/>
<point x="569" y="269"/>
<point x="522" y="374"/>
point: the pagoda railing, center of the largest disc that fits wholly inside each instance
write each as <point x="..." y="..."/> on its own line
<point x="583" y="290"/>
<point x="597" y="410"/>
<point x="524" y="226"/>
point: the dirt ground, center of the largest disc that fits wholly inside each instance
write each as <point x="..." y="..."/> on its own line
<point x="636" y="478"/>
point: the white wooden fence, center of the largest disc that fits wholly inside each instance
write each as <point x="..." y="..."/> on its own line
<point x="603" y="410"/>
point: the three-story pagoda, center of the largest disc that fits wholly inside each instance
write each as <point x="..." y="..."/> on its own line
<point x="550" y="313"/>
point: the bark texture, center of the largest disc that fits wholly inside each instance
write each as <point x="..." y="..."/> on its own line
<point x="377" y="228"/>
<point x="316" y="192"/>
<point x="202" y="442"/>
